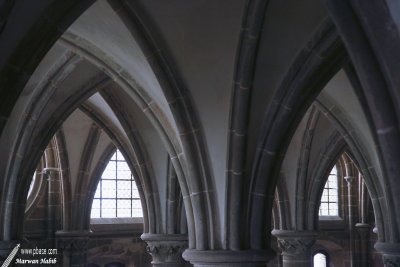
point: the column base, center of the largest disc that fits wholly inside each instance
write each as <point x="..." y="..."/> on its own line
<point x="390" y="253"/>
<point x="225" y="258"/>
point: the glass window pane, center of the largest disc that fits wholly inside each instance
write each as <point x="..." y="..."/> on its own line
<point x="124" y="189"/>
<point x="96" y="204"/>
<point x="116" y="194"/>
<point x="126" y="175"/>
<point x="108" y="204"/>
<point x="108" y="208"/>
<point x="136" y="204"/>
<point x="109" y="172"/>
<point x="135" y="191"/>
<point x="108" y="189"/>
<point x="97" y="194"/>
<point x="124" y="208"/>
<point x="95" y="213"/>
<point x="124" y="213"/>
<point x="329" y="199"/>
<point x="137" y="208"/>
<point x="119" y="155"/>
<point x="123" y="166"/>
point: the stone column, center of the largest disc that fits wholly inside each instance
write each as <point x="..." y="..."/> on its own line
<point x="296" y="247"/>
<point x="73" y="245"/>
<point x="166" y="249"/>
<point x="228" y="258"/>
<point x="351" y="214"/>
<point x="363" y="241"/>
<point x="390" y="253"/>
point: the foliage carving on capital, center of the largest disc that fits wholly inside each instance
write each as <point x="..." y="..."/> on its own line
<point x="295" y="246"/>
<point x="73" y="244"/>
<point x="166" y="251"/>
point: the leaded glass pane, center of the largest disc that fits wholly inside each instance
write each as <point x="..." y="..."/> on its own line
<point x="329" y="199"/>
<point x="108" y="208"/>
<point x="135" y="192"/>
<point x="95" y="213"/>
<point x="124" y="189"/>
<point x="108" y="188"/>
<point x="116" y="194"/>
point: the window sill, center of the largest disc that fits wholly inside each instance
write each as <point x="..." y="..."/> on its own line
<point x="116" y="226"/>
<point x="116" y="220"/>
<point x="330" y="218"/>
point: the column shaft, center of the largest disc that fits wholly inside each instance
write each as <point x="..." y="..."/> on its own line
<point x="351" y="214"/>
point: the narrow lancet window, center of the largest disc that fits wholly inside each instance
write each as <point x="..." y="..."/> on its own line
<point x="117" y="195"/>
<point x="330" y="200"/>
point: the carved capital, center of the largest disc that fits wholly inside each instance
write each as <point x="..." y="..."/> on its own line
<point x="73" y="244"/>
<point x="165" y="248"/>
<point x="295" y="246"/>
<point x="164" y="251"/>
<point x="73" y="241"/>
<point x="295" y="242"/>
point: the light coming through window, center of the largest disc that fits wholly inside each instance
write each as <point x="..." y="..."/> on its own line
<point x="319" y="260"/>
<point x="117" y="195"/>
<point x="329" y="200"/>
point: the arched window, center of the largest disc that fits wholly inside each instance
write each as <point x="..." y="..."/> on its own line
<point x="320" y="260"/>
<point x="117" y="195"/>
<point x="330" y="200"/>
